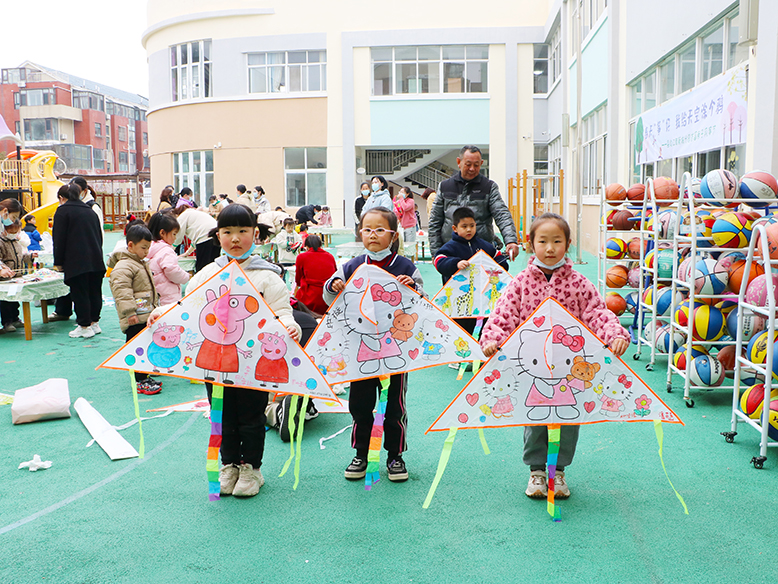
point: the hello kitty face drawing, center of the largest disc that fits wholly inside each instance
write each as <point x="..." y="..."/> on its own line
<point x="433" y="336"/>
<point x="614" y="391"/>
<point x="547" y="356"/>
<point x="332" y="351"/>
<point x="501" y="391"/>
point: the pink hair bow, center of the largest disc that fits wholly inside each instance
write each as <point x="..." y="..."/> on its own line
<point x="493" y="377"/>
<point x="391" y="298"/>
<point x="559" y="335"/>
<point x="323" y="341"/>
<point x="439" y="324"/>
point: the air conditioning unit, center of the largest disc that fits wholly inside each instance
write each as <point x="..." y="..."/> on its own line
<point x="22" y="84"/>
<point x="63" y="137"/>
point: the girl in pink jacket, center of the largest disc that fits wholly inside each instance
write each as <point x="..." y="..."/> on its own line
<point x="405" y="209"/>
<point x="163" y="261"/>
<point x="550" y="275"/>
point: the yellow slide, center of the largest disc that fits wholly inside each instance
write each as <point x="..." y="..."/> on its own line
<point x="45" y="185"/>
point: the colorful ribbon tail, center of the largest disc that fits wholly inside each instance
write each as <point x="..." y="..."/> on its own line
<point x="554" y="433"/>
<point x="660" y="434"/>
<point x="444" y="456"/>
<point x="479" y="324"/>
<point x="376" y="436"/>
<point x="292" y="426"/>
<point x="141" y="446"/>
<point x="214" y="443"/>
<point x="461" y="370"/>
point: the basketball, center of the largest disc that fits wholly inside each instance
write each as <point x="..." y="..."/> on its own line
<point x="679" y="357"/>
<point x="771" y="231"/>
<point x="700" y="226"/>
<point x="664" y="299"/>
<point x="648" y="261"/>
<point x="750" y="324"/>
<point x="668" y="340"/>
<point x="633" y="248"/>
<point x="652" y="327"/>
<point x="719" y="185"/>
<point x="621" y="220"/>
<point x="727" y="305"/>
<point x="708" y="323"/>
<point x="609" y="217"/>
<point x="665" y="221"/>
<point x="756" y="352"/>
<point x="695" y="188"/>
<point x="736" y="272"/>
<point x="636" y="192"/>
<point x="633" y="277"/>
<point x="772" y="421"/>
<point x="756" y="293"/>
<point x="681" y="315"/>
<point x="616" y="277"/>
<point x="732" y="230"/>
<point x="615" y="248"/>
<point x="665" y="191"/>
<point x="726" y="357"/>
<point x="752" y="400"/>
<point x="760" y="186"/>
<point x="615" y="303"/>
<point x="706" y="371"/>
<point x="615" y="194"/>
<point x="706" y="278"/>
<point x="664" y="263"/>
<point x="632" y="302"/>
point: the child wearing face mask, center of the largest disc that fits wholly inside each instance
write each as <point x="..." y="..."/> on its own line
<point x="550" y="274"/>
<point x="380" y="196"/>
<point x="379" y="235"/>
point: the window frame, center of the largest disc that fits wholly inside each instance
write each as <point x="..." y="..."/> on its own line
<point x="190" y="74"/>
<point x="287" y="67"/>
<point x="307" y="172"/>
<point x="197" y="175"/>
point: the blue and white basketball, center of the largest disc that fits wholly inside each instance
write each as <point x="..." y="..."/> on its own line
<point x="707" y="371"/>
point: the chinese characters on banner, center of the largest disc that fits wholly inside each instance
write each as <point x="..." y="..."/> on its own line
<point x="709" y="116"/>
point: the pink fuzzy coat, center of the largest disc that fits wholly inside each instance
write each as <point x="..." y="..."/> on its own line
<point x="573" y="291"/>
<point x="168" y="275"/>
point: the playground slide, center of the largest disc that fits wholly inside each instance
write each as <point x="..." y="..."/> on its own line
<point x="43" y="181"/>
<point x="44" y="215"/>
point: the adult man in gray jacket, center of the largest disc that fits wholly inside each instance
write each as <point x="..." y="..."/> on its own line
<point x="469" y="188"/>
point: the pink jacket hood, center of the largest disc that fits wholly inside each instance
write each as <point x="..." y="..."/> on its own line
<point x="168" y="275"/>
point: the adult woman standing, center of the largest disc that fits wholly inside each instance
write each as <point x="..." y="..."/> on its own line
<point x="78" y="252"/>
<point x="164" y="200"/>
<point x="380" y="196"/>
<point x="359" y="203"/>
<point x="312" y="269"/>
<point x="429" y="195"/>
<point x="195" y="225"/>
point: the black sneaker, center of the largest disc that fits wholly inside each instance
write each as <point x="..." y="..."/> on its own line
<point x="284" y="414"/>
<point x="396" y="470"/>
<point x="358" y="469"/>
<point x="311" y="413"/>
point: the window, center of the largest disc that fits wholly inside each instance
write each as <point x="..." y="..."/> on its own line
<point x="117" y="109"/>
<point x="667" y="81"/>
<point x="737" y="53"/>
<point x="145" y="138"/>
<point x="540" y="70"/>
<point x="194" y="170"/>
<point x="123" y="165"/>
<point x="649" y="82"/>
<point x="75" y="156"/>
<point x="14" y="75"/>
<point x="594" y="171"/>
<point x="592" y="10"/>
<point x="131" y="136"/>
<point x="541" y="159"/>
<point x="122" y="133"/>
<point x="88" y="100"/>
<point x="688" y="63"/>
<point x="287" y="72"/>
<point x="713" y="53"/>
<point x="98" y="130"/>
<point x="430" y="69"/>
<point x="555" y="60"/>
<point x="306" y="176"/>
<point x="637" y="98"/>
<point x="28" y="97"/>
<point x="190" y="70"/>
<point x="41" y="129"/>
<point x="98" y="158"/>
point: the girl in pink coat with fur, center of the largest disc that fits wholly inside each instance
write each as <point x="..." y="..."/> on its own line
<point x="163" y="261"/>
<point x="550" y="275"/>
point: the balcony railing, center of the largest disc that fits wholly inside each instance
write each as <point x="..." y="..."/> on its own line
<point x="390" y="161"/>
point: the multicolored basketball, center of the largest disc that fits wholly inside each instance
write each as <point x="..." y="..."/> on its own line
<point x="737" y="271"/>
<point x="615" y="248"/>
<point x="719" y="185"/>
<point x="681" y="315"/>
<point x="732" y="230"/>
<point x="648" y="261"/>
<point x="760" y="186"/>
<point x="708" y="323"/>
<point x="709" y="278"/>
<point x="668" y="340"/>
<point x="756" y="293"/>
<point x="664" y="300"/>
<point x="650" y="329"/>
<point x="750" y="324"/>
<point x="757" y="349"/>
<point x="636" y="192"/>
<point x="665" y="222"/>
<point x="706" y="371"/>
<point x="608" y="217"/>
<point x="615" y="303"/>
<point x="616" y="276"/>
<point x="679" y="357"/>
<point x="633" y="277"/>
<point x="772" y="420"/>
<point x="615" y="194"/>
<point x="622" y="220"/>
<point x="664" y="263"/>
<point x="632" y="302"/>
<point x="695" y="188"/>
<point x="752" y="400"/>
<point x="665" y="191"/>
<point x="727" y="304"/>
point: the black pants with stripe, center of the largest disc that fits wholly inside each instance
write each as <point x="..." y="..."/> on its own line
<point x="362" y="401"/>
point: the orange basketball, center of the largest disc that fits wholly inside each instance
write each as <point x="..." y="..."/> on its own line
<point x="636" y="192"/>
<point x="727" y="358"/>
<point x="633" y="249"/>
<point x="665" y="189"/>
<point x="616" y="276"/>
<point x="737" y="271"/>
<point x="621" y="220"/>
<point x="615" y="194"/>
<point x="615" y="303"/>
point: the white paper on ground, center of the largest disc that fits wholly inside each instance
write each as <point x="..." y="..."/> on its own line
<point x="106" y="435"/>
<point x="46" y="401"/>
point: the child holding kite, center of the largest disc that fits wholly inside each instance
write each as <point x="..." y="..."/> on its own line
<point x="378" y="228"/>
<point x="550" y="274"/>
<point x="243" y="422"/>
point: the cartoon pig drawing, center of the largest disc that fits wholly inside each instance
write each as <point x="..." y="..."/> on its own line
<point x="221" y="323"/>
<point x="272" y="367"/>
<point x="163" y="352"/>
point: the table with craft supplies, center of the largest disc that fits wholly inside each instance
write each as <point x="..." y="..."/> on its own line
<point x="42" y="286"/>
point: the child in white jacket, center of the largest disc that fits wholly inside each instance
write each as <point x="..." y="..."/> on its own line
<point x="163" y="261"/>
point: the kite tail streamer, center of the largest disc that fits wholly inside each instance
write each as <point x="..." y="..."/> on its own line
<point x="479" y="323"/>
<point x="660" y="434"/>
<point x="484" y="445"/>
<point x="554" y="432"/>
<point x="444" y="456"/>
<point x="376" y="435"/>
<point x="292" y="426"/>
<point x="461" y="370"/>
<point x="303" y="409"/>
<point x="141" y="447"/>
<point x="214" y="443"/>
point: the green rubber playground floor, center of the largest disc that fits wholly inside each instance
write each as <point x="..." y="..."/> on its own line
<point x="90" y="520"/>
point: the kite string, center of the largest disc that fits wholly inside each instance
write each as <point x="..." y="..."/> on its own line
<point x="141" y="447"/>
<point x="292" y="426"/>
<point x="214" y="443"/>
<point x="660" y="439"/>
<point x="554" y="434"/>
<point x="444" y="457"/>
